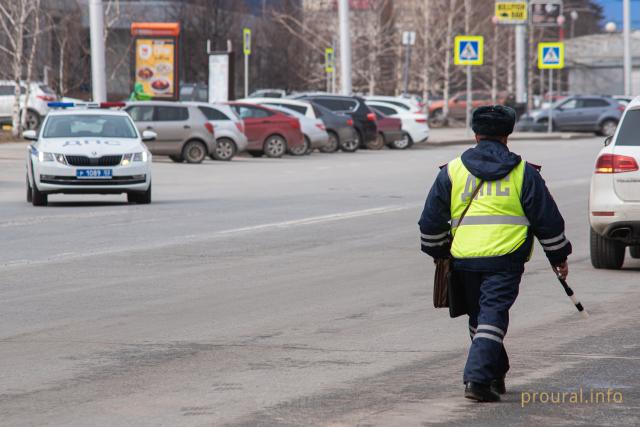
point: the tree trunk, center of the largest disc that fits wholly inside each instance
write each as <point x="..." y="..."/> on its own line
<point x="426" y="74"/>
<point x="17" y="69"/>
<point x="494" y="66"/>
<point x="32" y="54"/>
<point x="447" y="58"/>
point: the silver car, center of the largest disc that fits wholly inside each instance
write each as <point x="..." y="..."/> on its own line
<point x="228" y="127"/>
<point x="184" y="133"/>
<point x="314" y="130"/>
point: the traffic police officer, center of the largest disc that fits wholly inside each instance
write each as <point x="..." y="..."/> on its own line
<point x="494" y="239"/>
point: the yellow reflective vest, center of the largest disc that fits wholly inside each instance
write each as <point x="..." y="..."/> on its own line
<point x="495" y="224"/>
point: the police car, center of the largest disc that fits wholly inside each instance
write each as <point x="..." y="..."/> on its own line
<point x="614" y="202"/>
<point x="88" y="149"/>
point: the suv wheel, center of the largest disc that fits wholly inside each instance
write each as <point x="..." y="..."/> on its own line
<point x="275" y="146"/>
<point x="606" y="253"/>
<point x="177" y="159"/>
<point x="194" y="152"/>
<point x="301" y="150"/>
<point x="225" y="150"/>
<point x="32" y="120"/>
<point x="351" y="146"/>
<point x="332" y="145"/>
<point x="634" y="251"/>
<point x="376" y="144"/>
<point x="608" y="128"/>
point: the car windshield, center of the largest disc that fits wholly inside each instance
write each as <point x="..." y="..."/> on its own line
<point x="89" y="126"/>
<point x="629" y="129"/>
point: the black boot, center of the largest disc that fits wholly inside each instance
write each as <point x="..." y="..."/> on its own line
<point x="497" y="386"/>
<point x="480" y="392"/>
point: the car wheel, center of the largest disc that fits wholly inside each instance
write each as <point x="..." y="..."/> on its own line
<point x="352" y="145"/>
<point x="225" y="150"/>
<point x="401" y="144"/>
<point x="634" y="251"/>
<point x="275" y="146"/>
<point x="332" y="145"/>
<point x="177" y="159"/>
<point x="143" y="198"/>
<point x="32" y="121"/>
<point x="436" y="118"/>
<point x="38" y="198"/>
<point x="194" y="152"/>
<point x="606" y="253"/>
<point x="301" y="150"/>
<point x="29" y="193"/>
<point x="376" y="144"/>
<point x="608" y="128"/>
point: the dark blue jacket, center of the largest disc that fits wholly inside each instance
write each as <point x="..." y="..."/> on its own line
<point x="492" y="160"/>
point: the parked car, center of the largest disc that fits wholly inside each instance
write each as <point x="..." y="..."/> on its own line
<point x="364" y="120"/>
<point x="390" y="132"/>
<point x="183" y="131"/>
<point x="314" y="131"/>
<point x="198" y="92"/>
<point x="39" y="95"/>
<point x="228" y="128"/>
<point x="269" y="132"/>
<point x="581" y="114"/>
<point x="410" y="104"/>
<point x="342" y="134"/>
<point x="614" y="201"/>
<point x="88" y="151"/>
<point x="458" y="105"/>
<point x="268" y="93"/>
<point x="414" y="124"/>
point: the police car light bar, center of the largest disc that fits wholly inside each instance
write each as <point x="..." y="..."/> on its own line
<point x="59" y="104"/>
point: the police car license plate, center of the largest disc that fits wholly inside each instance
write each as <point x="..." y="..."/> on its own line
<point x="94" y="173"/>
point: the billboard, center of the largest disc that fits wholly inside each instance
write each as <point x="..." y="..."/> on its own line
<point x="545" y="13"/>
<point x="155" y="59"/>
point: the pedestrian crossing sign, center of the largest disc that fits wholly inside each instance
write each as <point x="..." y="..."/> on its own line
<point x="550" y="55"/>
<point x="468" y="50"/>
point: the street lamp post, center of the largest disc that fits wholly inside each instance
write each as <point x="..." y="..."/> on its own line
<point x="626" y="29"/>
<point x="345" y="47"/>
<point x="98" y="72"/>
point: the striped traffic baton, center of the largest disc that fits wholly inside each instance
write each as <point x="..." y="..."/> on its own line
<point x="571" y="294"/>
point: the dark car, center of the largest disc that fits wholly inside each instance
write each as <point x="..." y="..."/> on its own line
<point x="268" y="131"/>
<point x="364" y="120"/>
<point x="390" y="132"/>
<point x="597" y="114"/>
<point x="342" y="134"/>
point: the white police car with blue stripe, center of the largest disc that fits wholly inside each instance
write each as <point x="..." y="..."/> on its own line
<point x="88" y="149"/>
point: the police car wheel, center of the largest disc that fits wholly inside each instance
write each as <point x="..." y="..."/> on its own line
<point x="606" y="253"/>
<point x="29" y="193"/>
<point x="634" y="251"/>
<point x="225" y="150"/>
<point x="194" y="152"/>
<point x="38" y="198"/>
<point x="143" y="198"/>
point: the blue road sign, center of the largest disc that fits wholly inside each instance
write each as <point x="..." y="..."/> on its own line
<point x="550" y="55"/>
<point x="468" y="50"/>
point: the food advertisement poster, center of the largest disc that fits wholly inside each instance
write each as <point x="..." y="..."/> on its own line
<point x="155" y="67"/>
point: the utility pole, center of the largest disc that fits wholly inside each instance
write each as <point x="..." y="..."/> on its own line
<point x="345" y="48"/>
<point x="521" y="63"/>
<point x="98" y="72"/>
<point x="626" y="30"/>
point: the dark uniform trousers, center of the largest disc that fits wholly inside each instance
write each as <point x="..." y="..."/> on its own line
<point x="489" y="296"/>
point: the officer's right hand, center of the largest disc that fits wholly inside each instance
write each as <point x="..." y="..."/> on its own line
<point x="563" y="270"/>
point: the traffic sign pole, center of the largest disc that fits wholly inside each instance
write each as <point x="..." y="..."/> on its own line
<point x="469" y="51"/>
<point x="246" y="48"/>
<point x="469" y="100"/>
<point x="550" y="124"/>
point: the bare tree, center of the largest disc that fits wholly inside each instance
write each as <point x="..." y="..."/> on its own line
<point x="35" y="36"/>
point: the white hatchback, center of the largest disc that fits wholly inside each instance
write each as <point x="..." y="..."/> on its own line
<point x="88" y="151"/>
<point x="414" y="124"/>
<point x="614" y="202"/>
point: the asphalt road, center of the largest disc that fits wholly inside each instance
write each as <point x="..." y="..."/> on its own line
<point x="289" y="292"/>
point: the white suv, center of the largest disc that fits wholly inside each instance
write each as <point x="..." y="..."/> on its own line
<point x="614" y="202"/>
<point x="39" y="95"/>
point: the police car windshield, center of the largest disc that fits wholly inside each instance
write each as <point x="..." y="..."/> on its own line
<point x="89" y="126"/>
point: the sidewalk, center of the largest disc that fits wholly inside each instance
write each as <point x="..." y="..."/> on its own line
<point x="458" y="136"/>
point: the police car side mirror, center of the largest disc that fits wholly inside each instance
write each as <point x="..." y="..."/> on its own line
<point x="30" y="135"/>
<point x="148" y="135"/>
<point x="608" y="140"/>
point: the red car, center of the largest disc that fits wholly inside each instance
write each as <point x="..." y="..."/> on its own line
<point x="269" y="131"/>
<point x="390" y="132"/>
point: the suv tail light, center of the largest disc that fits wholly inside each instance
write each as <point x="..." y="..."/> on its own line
<point x="615" y="163"/>
<point x="209" y="127"/>
<point x="350" y="122"/>
<point x="371" y="117"/>
<point x="47" y="98"/>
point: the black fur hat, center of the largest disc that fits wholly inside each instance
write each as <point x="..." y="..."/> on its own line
<point x="493" y="120"/>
